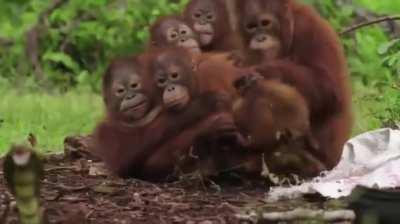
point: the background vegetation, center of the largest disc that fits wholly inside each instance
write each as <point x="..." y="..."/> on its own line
<point x="53" y="52"/>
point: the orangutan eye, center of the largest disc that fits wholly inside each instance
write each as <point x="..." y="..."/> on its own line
<point x="135" y="85"/>
<point x="251" y="26"/>
<point x="120" y="91"/>
<point x="161" y="81"/>
<point x="265" y="22"/>
<point x="197" y="15"/>
<point x="175" y="75"/>
<point x="173" y="35"/>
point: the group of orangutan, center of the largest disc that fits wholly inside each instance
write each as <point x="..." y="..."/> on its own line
<point x="217" y="92"/>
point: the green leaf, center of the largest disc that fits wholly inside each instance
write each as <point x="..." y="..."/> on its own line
<point x="60" y="57"/>
<point x="384" y="48"/>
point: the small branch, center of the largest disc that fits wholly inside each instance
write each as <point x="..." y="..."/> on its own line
<point x="59" y="168"/>
<point x="87" y="216"/>
<point x="369" y="23"/>
<point x="66" y="188"/>
<point x="299" y="214"/>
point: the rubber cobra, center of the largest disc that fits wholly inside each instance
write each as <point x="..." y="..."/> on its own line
<point x="23" y="171"/>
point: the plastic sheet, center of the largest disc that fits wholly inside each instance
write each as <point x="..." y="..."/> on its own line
<point x="371" y="159"/>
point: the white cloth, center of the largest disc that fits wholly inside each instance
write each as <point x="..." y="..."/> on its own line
<point x="371" y="159"/>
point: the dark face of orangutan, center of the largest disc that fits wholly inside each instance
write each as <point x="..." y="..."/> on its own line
<point x="126" y="95"/>
<point x="260" y="26"/>
<point x="203" y="16"/>
<point x="173" y="74"/>
<point x="174" y="32"/>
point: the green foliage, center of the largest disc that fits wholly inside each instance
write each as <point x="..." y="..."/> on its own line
<point x="374" y="62"/>
<point x="387" y="6"/>
<point x="329" y="9"/>
<point x="78" y="38"/>
<point x="391" y="55"/>
<point x="49" y="117"/>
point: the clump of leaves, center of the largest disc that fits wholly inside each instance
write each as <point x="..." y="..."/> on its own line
<point x="78" y="38"/>
<point x="391" y="55"/>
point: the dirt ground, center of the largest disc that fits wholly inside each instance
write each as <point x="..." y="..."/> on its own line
<point x="77" y="189"/>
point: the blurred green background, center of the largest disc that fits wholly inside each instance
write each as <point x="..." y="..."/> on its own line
<point x="53" y="52"/>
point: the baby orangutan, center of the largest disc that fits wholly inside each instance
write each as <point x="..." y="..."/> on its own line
<point x="275" y="118"/>
<point x="264" y="36"/>
<point x="138" y="138"/>
<point x="209" y="19"/>
<point x="177" y="72"/>
<point x="269" y="110"/>
<point x="173" y="31"/>
<point x="180" y="80"/>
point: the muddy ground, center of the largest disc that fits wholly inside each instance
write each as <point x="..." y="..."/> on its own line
<point x="77" y="189"/>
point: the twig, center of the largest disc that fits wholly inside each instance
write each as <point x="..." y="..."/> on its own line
<point x="299" y="214"/>
<point x="74" y="200"/>
<point x="60" y="168"/>
<point x="87" y="216"/>
<point x="143" y="182"/>
<point x="66" y="188"/>
<point x="368" y="23"/>
<point x="230" y="206"/>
